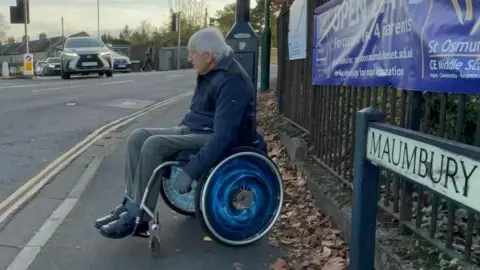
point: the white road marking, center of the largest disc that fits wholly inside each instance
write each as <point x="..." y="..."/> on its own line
<point x="115" y="82"/>
<point x="30" y="251"/>
<point x="32" y="85"/>
<point x="175" y="75"/>
<point x="60" y="88"/>
<point x="5" y="83"/>
<point x="46" y="89"/>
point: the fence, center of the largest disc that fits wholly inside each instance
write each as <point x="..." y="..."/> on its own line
<point x="328" y="115"/>
<point x="165" y="57"/>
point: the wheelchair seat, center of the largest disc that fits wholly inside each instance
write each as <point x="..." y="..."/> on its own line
<point x="183" y="156"/>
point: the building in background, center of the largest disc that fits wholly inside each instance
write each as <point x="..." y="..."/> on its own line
<point x="42" y="48"/>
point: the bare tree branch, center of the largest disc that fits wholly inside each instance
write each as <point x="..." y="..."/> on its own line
<point x="3" y="27"/>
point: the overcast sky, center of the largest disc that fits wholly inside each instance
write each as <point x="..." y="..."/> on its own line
<point x="81" y="15"/>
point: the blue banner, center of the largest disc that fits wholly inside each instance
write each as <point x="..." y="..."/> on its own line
<point x="428" y="45"/>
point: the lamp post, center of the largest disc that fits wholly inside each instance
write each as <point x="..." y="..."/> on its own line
<point x="25" y="26"/>
<point x="98" y="18"/>
<point x="179" y="38"/>
<point x="265" y="81"/>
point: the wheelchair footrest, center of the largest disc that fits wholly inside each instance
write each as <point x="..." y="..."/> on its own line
<point x="141" y="230"/>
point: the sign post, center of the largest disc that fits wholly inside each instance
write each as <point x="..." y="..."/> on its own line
<point x="244" y="41"/>
<point x="365" y="196"/>
<point x="445" y="167"/>
<point x="28" y="64"/>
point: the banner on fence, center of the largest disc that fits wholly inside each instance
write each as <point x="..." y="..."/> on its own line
<point x="297" y="30"/>
<point x="431" y="45"/>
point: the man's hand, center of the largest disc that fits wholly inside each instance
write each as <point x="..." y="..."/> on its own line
<point x="183" y="182"/>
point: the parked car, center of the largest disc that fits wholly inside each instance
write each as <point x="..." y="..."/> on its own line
<point x="39" y="65"/>
<point x="86" y="55"/>
<point x="121" y="63"/>
<point x="52" y="68"/>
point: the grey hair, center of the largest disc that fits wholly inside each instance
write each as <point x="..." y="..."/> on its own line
<point x="209" y="40"/>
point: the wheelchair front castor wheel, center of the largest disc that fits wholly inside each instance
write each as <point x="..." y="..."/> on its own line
<point x="154" y="240"/>
<point x="154" y="245"/>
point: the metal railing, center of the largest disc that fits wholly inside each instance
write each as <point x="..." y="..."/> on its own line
<point x="328" y="114"/>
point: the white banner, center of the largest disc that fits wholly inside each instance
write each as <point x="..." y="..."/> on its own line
<point x="297" y="30"/>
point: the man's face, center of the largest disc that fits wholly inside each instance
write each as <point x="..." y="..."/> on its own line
<point x="202" y="62"/>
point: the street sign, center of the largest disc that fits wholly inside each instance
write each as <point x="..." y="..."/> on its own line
<point x="28" y="64"/>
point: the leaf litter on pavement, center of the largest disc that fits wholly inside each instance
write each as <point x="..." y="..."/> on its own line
<point x="307" y="236"/>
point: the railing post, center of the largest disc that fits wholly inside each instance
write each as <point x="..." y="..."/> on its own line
<point x="365" y="196"/>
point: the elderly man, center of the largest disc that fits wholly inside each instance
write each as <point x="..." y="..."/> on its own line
<point x="221" y="116"/>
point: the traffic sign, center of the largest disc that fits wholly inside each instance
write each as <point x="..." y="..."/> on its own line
<point x="28" y="64"/>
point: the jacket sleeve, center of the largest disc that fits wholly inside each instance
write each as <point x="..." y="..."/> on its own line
<point x="230" y="105"/>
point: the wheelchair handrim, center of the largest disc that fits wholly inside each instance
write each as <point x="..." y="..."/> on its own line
<point x="266" y="227"/>
<point x="185" y="202"/>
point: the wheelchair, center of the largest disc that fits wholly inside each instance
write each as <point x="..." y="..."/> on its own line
<point x="237" y="202"/>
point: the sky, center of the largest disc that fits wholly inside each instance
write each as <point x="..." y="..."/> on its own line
<point x="81" y="15"/>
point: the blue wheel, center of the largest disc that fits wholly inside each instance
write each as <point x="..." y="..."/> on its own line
<point x="241" y="199"/>
<point x="181" y="203"/>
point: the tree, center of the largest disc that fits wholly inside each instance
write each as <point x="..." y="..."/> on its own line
<point x="3" y="27"/>
<point x="107" y="38"/>
<point x="143" y="34"/>
<point x="125" y="33"/>
<point x="193" y="11"/>
<point x="42" y="35"/>
<point x="11" y="40"/>
<point x="257" y="17"/>
<point x="191" y="20"/>
<point x="225" y="18"/>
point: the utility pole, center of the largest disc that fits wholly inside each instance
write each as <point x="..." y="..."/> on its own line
<point x="25" y="14"/>
<point x="206" y="18"/>
<point x="265" y="81"/>
<point x="63" y="35"/>
<point x="98" y="18"/>
<point x="179" y="27"/>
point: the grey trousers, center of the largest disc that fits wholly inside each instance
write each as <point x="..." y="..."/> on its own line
<point x="149" y="147"/>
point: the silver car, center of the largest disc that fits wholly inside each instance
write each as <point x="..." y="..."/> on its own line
<point x="86" y="55"/>
<point x="39" y="68"/>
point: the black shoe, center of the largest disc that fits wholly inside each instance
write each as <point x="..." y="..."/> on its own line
<point x="111" y="217"/>
<point x="120" y="228"/>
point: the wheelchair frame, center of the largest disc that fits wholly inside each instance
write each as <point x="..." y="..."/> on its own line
<point x="154" y="242"/>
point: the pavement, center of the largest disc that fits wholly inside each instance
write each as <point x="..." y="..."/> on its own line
<point x="55" y="229"/>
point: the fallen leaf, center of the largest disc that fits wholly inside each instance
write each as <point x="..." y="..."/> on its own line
<point x="287" y="241"/>
<point x="336" y="263"/>
<point x="300" y="182"/>
<point x="276" y="151"/>
<point x="280" y="264"/>
<point x="313" y="242"/>
<point x="207" y="239"/>
<point x="237" y="266"/>
<point x="273" y="243"/>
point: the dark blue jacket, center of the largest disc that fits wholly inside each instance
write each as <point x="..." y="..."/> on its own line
<point x="224" y="105"/>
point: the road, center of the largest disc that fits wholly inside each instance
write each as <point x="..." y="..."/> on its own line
<point x="43" y="118"/>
